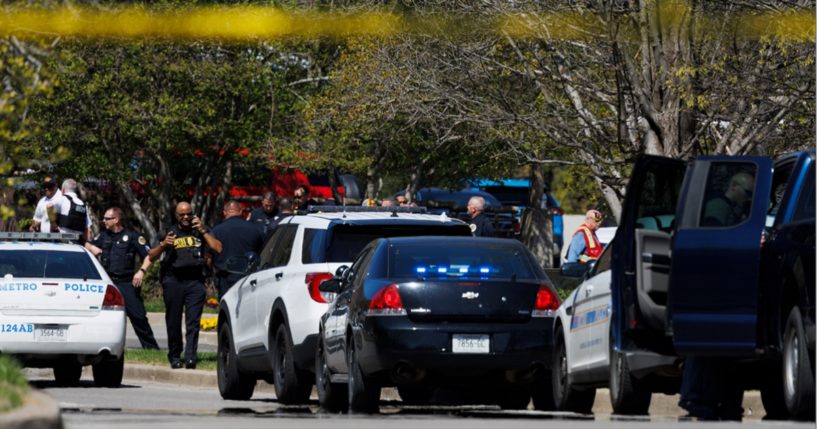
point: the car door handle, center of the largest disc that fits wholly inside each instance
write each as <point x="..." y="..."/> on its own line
<point x="588" y="290"/>
<point x="279" y="275"/>
<point x="253" y="284"/>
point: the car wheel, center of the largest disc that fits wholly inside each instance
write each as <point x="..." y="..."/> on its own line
<point x="364" y="392"/>
<point x="291" y="386"/>
<point x="332" y="396"/>
<point x="108" y="373"/>
<point x="67" y="373"/>
<point x="771" y="392"/>
<point x="627" y="395"/>
<point x="798" y="375"/>
<point x="565" y="396"/>
<point x="232" y="384"/>
<point x="415" y="394"/>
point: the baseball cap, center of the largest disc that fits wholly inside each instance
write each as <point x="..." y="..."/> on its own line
<point x="49" y="182"/>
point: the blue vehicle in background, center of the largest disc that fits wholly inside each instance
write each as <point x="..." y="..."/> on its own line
<point x="515" y="192"/>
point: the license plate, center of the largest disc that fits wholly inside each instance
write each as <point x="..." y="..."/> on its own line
<point x="471" y="343"/>
<point x="51" y="334"/>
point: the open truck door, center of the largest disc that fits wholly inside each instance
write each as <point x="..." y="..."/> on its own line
<point x="714" y="290"/>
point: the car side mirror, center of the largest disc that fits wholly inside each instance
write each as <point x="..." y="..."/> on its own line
<point x="241" y="264"/>
<point x="573" y="269"/>
<point x="332" y="285"/>
<point x="591" y="265"/>
<point x="341" y="271"/>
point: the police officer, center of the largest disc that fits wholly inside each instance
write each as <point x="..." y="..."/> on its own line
<point x="116" y="247"/>
<point x="237" y="237"/>
<point x="481" y="226"/>
<point x="585" y="245"/>
<point x="71" y="213"/>
<point x="265" y="215"/>
<point x="183" y="271"/>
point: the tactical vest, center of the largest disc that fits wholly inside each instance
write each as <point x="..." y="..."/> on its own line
<point x="75" y="219"/>
<point x="117" y="255"/>
<point x="188" y="249"/>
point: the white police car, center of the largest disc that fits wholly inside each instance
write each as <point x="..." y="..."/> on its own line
<point x="59" y="309"/>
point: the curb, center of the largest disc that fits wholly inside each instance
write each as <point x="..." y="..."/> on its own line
<point x="661" y="405"/>
<point x="39" y="411"/>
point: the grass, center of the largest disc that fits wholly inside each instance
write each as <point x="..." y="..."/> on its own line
<point x="13" y="384"/>
<point x="206" y="360"/>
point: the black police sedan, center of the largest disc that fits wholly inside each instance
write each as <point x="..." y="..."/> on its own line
<point x="421" y="312"/>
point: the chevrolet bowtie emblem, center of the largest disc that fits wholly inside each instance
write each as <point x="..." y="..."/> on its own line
<point x="470" y="295"/>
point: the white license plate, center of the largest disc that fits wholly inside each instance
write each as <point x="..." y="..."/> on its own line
<point x="463" y="343"/>
<point x="51" y="334"/>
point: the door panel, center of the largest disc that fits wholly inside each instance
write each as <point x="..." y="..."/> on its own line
<point x="714" y="294"/>
<point x="653" y="268"/>
<point x="599" y="330"/>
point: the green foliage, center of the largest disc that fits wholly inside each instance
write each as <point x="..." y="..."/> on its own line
<point x="13" y="384"/>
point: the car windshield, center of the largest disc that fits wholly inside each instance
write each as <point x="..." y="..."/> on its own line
<point x="47" y="264"/>
<point x="461" y="260"/>
<point x="346" y="241"/>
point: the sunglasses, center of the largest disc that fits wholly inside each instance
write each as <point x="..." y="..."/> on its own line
<point x="184" y="214"/>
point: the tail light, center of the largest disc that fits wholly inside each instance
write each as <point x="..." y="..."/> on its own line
<point x="387" y="302"/>
<point x="547" y="301"/>
<point x="113" y="299"/>
<point x="313" y="283"/>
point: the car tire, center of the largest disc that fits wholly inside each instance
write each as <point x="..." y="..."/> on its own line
<point x="291" y="386"/>
<point x="798" y="374"/>
<point x="565" y="396"/>
<point x="232" y="384"/>
<point x="416" y="394"/>
<point x="333" y="397"/>
<point x="627" y="395"/>
<point x="67" y="373"/>
<point x="771" y="392"/>
<point x="108" y="372"/>
<point x="364" y="392"/>
<point x="542" y="393"/>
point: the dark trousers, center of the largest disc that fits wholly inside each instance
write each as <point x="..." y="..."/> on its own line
<point x="188" y="296"/>
<point x="711" y="388"/>
<point x="135" y="309"/>
<point x="224" y="281"/>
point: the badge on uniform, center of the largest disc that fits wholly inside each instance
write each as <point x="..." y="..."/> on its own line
<point x="142" y="240"/>
<point x="473" y="227"/>
<point x="125" y="237"/>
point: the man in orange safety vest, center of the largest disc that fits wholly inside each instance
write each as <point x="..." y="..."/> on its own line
<point x="585" y="245"/>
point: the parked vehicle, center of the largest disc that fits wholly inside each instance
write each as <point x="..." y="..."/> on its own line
<point x="268" y="320"/>
<point x="683" y="286"/>
<point x="420" y="312"/>
<point x="60" y="309"/>
<point x="454" y="203"/>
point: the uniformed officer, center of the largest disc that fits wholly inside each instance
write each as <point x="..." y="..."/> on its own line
<point x="183" y="271"/>
<point x="585" y="245"/>
<point x="116" y="248"/>
<point x="481" y="226"/>
<point x="237" y="237"/>
<point x="265" y="215"/>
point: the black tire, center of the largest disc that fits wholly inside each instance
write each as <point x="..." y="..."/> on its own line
<point x="771" y="393"/>
<point x="364" y="392"/>
<point x="333" y="397"/>
<point x="291" y="386"/>
<point x="108" y="373"/>
<point x="627" y="395"/>
<point x="565" y="396"/>
<point x="798" y="374"/>
<point x="232" y="384"/>
<point x="416" y="394"/>
<point x="67" y="373"/>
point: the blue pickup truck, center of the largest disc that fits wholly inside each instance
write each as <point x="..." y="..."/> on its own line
<point x="687" y="284"/>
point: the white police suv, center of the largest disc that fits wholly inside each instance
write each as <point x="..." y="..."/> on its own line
<point x="59" y="309"/>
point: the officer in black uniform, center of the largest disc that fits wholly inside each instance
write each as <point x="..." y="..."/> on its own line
<point x="237" y="237"/>
<point x="265" y="215"/>
<point x="183" y="270"/>
<point x="116" y="248"/>
<point x="481" y="226"/>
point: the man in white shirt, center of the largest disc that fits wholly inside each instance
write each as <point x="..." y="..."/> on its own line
<point x="72" y="213"/>
<point x="40" y="221"/>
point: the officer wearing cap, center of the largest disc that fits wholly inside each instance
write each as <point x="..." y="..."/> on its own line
<point x="585" y="245"/>
<point x="116" y="247"/>
<point x="40" y="221"/>
<point x="480" y="225"/>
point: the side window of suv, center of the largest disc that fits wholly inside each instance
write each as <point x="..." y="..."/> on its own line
<point x="728" y="194"/>
<point x="283" y="245"/>
<point x="265" y="259"/>
<point x="782" y="173"/>
<point x="805" y="204"/>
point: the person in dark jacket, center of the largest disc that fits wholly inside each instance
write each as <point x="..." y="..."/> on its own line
<point x="265" y="215"/>
<point x="237" y="237"/>
<point x="116" y="247"/>
<point x="183" y="271"/>
<point x="481" y="226"/>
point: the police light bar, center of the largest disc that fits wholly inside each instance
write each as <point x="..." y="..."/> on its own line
<point x="39" y="236"/>
<point x="364" y="209"/>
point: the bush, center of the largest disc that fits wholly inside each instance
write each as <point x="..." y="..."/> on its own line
<point x="13" y="384"/>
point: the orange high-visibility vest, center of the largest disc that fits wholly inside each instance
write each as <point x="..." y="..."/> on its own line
<point x="592" y="247"/>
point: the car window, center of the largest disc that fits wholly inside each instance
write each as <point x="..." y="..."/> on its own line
<point x="47" y="264"/>
<point x="353" y="278"/>
<point x="467" y="260"/>
<point x="805" y="204"/>
<point x="265" y="259"/>
<point x="313" y="250"/>
<point x="603" y="263"/>
<point x="283" y="245"/>
<point x="346" y="241"/>
<point x="728" y="194"/>
<point x="782" y="174"/>
<point x="658" y="198"/>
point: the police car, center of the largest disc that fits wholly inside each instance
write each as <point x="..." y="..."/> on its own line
<point x="59" y="309"/>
